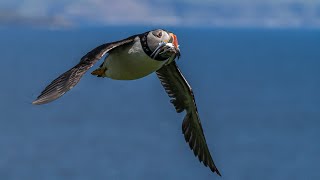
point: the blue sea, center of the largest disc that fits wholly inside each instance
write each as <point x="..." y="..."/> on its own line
<point x="257" y="92"/>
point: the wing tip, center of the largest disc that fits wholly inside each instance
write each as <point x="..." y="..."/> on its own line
<point x="217" y="171"/>
<point x="45" y="98"/>
<point x="40" y="101"/>
<point x="213" y="168"/>
<point x="37" y="102"/>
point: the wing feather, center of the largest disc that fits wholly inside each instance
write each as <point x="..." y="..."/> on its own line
<point x="70" y="78"/>
<point x="182" y="98"/>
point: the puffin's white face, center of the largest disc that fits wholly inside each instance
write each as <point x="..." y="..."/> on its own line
<point x="163" y="43"/>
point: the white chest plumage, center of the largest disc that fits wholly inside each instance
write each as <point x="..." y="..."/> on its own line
<point x="130" y="62"/>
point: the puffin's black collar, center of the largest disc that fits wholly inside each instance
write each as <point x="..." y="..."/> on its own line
<point x="144" y="43"/>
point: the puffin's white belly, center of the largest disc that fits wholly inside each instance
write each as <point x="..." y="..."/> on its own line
<point x="130" y="62"/>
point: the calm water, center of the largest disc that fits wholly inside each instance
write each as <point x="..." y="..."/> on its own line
<point x="257" y="92"/>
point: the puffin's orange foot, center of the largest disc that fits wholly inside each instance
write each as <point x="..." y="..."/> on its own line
<point x="99" y="72"/>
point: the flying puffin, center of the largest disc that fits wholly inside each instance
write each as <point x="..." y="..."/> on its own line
<point x="135" y="57"/>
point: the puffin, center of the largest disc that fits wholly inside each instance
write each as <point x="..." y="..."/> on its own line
<point x="136" y="57"/>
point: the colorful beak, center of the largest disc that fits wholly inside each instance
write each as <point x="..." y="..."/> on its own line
<point x="175" y="40"/>
<point x="175" y="44"/>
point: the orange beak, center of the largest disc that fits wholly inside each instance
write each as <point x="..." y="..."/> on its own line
<point x="175" y="40"/>
<point x="175" y="44"/>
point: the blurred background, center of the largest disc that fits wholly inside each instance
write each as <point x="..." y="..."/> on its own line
<point x="253" y="65"/>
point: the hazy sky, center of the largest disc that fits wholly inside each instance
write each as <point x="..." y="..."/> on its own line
<point x="214" y="13"/>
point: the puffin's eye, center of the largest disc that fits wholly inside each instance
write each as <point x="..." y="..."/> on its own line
<point x="158" y="34"/>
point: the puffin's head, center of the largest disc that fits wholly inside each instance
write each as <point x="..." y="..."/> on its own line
<point x="163" y="43"/>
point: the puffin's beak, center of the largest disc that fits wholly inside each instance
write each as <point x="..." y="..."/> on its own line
<point x="170" y="45"/>
<point x="175" y="44"/>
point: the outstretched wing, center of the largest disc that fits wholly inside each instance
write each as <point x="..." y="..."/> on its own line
<point x="69" y="79"/>
<point x="182" y="98"/>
